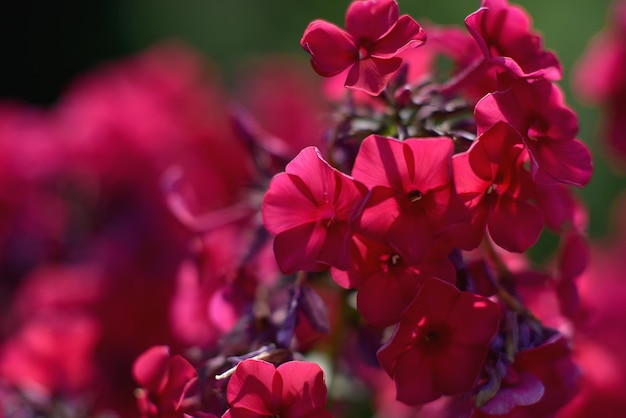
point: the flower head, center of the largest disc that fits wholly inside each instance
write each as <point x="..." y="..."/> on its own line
<point x="295" y="389"/>
<point x="440" y="344"/>
<point x="412" y="194"/>
<point x="369" y="47"/>
<point x="308" y="208"/>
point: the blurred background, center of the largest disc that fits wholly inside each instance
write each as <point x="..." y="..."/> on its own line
<point x="45" y="44"/>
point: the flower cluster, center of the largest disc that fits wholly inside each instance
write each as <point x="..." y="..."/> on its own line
<point x="355" y="245"/>
<point x="429" y="183"/>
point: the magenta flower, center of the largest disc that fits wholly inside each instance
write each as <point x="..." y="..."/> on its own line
<point x="412" y="201"/>
<point x="547" y="128"/>
<point x="494" y="185"/>
<point x="505" y="49"/>
<point x="295" y="389"/>
<point x="308" y="208"/>
<point x="375" y="35"/>
<point x="541" y="381"/>
<point x="503" y="33"/>
<point x="377" y="269"/>
<point x="440" y="344"/>
<point x="166" y="382"/>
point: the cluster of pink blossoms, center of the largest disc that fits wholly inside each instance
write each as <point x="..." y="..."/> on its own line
<point x="365" y="257"/>
<point x="421" y="202"/>
<point x="426" y="186"/>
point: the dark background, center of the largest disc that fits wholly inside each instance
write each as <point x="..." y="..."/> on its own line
<point x="44" y="44"/>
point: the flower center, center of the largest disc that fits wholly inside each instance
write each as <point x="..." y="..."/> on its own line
<point x="432" y="337"/>
<point x="415" y="196"/>
<point x="363" y="53"/>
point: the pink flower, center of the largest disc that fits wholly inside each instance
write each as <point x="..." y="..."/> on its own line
<point x="412" y="200"/>
<point x="308" y="209"/>
<point x="503" y="33"/>
<point x="542" y="380"/>
<point x="295" y="389"/>
<point x="440" y="345"/>
<point x="491" y="181"/>
<point x="377" y="269"/>
<point x="547" y="128"/>
<point x="375" y="35"/>
<point x="166" y="382"/>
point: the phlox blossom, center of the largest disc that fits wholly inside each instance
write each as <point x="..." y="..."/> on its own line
<point x="440" y="343"/>
<point x="386" y="282"/>
<point x="295" y="389"/>
<point x="412" y="199"/>
<point x="503" y="33"/>
<point x="308" y="209"/>
<point x="165" y="382"/>
<point x="541" y="381"/>
<point x="547" y="128"/>
<point x="375" y="35"/>
<point x="493" y="183"/>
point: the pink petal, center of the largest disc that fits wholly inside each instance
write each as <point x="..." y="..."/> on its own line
<point x="381" y="210"/>
<point x="495" y="152"/>
<point x="414" y="379"/>
<point x="458" y="367"/>
<point x="181" y="375"/>
<point x="435" y="300"/>
<point x="371" y="75"/>
<point x="556" y="161"/>
<point x="318" y="175"/>
<point x="381" y="161"/>
<point x="384" y="296"/>
<point x="473" y="321"/>
<point x="369" y="20"/>
<point x="332" y="49"/>
<point x="334" y="251"/>
<point x="288" y="203"/>
<point x="304" y="389"/>
<point x="431" y="162"/>
<point x="298" y="248"/>
<point x="407" y="33"/>
<point x="150" y="368"/>
<point x="256" y="387"/>
<point x="515" y="225"/>
<point x="402" y="341"/>
<point x="411" y="236"/>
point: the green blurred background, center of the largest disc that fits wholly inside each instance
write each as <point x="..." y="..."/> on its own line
<point x="46" y="43"/>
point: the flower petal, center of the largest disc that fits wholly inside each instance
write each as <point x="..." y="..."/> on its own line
<point x="288" y="203"/>
<point x="332" y="49"/>
<point x="556" y="162"/>
<point x="255" y="386"/>
<point x="298" y="248"/>
<point x="407" y="33"/>
<point x="371" y="19"/>
<point x="371" y="75"/>
<point x="514" y="225"/>
<point x="304" y="390"/>
<point x="150" y="369"/>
